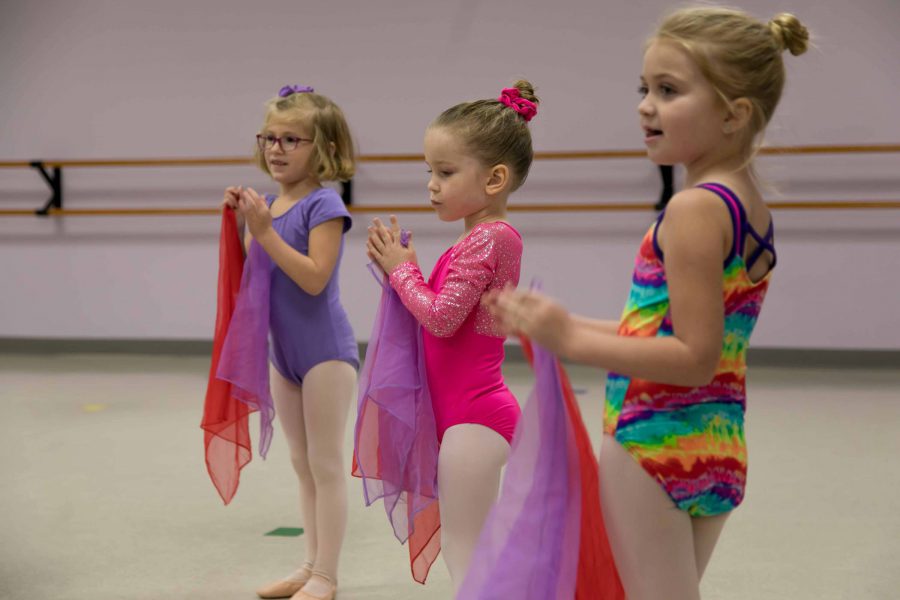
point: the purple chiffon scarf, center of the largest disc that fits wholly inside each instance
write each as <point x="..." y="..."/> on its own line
<point x="396" y="448"/>
<point x="529" y="545"/>
<point x="245" y="354"/>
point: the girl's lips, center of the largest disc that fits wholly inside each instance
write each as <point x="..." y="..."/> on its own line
<point x="652" y="135"/>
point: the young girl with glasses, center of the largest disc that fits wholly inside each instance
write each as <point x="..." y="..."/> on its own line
<point x="673" y="461"/>
<point x="304" y="141"/>
<point x="477" y="153"/>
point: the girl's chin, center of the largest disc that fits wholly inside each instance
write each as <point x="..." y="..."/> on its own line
<point x="447" y="217"/>
<point x="661" y="158"/>
<point x="283" y="178"/>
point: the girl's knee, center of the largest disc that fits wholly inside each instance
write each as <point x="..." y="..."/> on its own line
<point x="325" y="471"/>
<point x="302" y="468"/>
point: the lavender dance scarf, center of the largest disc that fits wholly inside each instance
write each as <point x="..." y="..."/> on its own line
<point x="395" y="439"/>
<point x="245" y="355"/>
<point x="529" y="545"/>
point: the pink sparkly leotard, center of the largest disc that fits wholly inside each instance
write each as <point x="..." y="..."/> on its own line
<point x="462" y="345"/>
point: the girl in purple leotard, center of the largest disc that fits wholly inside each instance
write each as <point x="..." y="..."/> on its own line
<point x="298" y="234"/>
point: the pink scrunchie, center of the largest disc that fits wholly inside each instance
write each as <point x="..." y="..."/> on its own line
<point x="511" y="98"/>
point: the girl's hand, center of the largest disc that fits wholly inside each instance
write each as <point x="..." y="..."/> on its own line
<point x="532" y="315"/>
<point x="252" y="207"/>
<point x="384" y="245"/>
<point x="232" y="195"/>
<point x="374" y="261"/>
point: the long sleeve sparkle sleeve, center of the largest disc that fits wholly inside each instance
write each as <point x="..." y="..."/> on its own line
<point x="471" y="270"/>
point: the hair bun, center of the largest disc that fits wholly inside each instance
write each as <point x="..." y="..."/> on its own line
<point x="521" y="99"/>
<point x="789" y="33"/>
<point x="526" y="90"/>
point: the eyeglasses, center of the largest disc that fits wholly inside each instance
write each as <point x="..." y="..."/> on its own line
<point x="288" y="143"/>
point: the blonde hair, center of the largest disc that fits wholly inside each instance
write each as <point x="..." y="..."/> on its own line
<point x="332" y="159"/>
<point x="493" y="132"/>
<point x="739" y="55"/>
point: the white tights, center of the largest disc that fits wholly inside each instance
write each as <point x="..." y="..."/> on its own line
<point x="469" y="465"/>
<point x="660" y="551"/>
<point x="314" y="420"/>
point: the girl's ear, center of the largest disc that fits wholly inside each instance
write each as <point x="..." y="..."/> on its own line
<point x="498" y="180"/>
<point x="740" y="112"/>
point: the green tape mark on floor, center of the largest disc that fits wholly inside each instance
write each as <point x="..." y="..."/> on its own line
<point x="287" y="531"/>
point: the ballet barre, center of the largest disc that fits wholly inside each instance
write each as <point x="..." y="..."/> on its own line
<point x="389" y="209"/>
<point x="52" y="172"/>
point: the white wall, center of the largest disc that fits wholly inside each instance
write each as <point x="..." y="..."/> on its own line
<point x="95" y="79"/>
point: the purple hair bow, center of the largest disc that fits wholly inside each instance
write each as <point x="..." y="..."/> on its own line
<point x="294" y="89"/>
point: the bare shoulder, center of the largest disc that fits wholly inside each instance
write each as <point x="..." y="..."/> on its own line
<point x="695" y="201"/>
<point x="693" y="215"/>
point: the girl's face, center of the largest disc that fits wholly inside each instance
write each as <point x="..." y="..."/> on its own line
<point x="458" y="179"/>
<point x="288" y="158"/>
<point x="680" y="112"/>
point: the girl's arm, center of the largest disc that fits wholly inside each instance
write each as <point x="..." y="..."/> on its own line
<point x="468" y="276"/>
<point x="309" y="271"/>
<point x="598" y="325"/>
<point x="443" y="313"/>
<point x="696" y="233"/>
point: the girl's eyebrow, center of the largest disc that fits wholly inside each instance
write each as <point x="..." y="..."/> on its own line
<point x="663" y="75"/>
<point x="290" y="130"/>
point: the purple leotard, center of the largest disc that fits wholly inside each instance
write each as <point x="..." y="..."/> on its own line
<point x="306" y="330"/>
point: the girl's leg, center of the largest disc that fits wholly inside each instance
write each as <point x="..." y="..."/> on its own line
<point x="288" y="399"/>
<point x="328" y="391"/>
<point x="469" y="466"/>
<point x="706" y="534"/>
<point x="652" y="540"/>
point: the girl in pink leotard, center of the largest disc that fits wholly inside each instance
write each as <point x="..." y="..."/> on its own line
<point x="463" y="348"/>
<point x="477" y="153"/>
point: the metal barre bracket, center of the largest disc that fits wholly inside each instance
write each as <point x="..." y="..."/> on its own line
<point x="55" y="183"/>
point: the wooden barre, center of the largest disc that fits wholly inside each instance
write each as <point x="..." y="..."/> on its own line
<point x="394" y="158"/>
<point x="387" y="209"/>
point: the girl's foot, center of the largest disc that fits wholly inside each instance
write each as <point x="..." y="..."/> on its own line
<point x="290" y="585"/>
<point x="319" y="587"/>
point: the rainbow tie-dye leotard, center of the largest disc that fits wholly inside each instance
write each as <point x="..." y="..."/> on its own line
<point x="691" y="439"/>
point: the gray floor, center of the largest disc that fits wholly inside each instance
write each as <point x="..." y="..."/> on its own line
<point x="105" y="493"/>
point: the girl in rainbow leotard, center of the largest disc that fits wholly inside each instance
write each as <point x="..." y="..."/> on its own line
<point x="691" y="439"/>
<point x="673" y="462"/>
